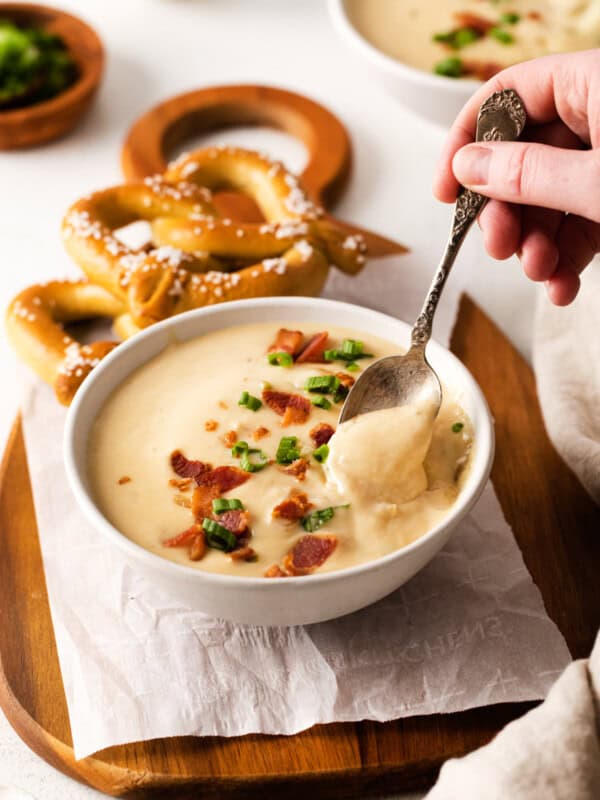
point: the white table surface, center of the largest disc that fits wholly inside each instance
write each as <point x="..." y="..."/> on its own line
<point x="157" y="48"/>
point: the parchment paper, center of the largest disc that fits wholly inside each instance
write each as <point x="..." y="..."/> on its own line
<point x="469" y="630"/>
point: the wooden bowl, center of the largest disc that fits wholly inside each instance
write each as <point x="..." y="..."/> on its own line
<point x="32" y="125"/>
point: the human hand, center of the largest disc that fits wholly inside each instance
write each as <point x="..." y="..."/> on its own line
<point x="545" y="189"/>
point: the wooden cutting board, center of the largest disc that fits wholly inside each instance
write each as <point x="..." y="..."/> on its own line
<point x="554" y="521"/>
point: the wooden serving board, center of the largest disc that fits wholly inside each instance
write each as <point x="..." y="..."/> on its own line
<point x="555" y="523"/>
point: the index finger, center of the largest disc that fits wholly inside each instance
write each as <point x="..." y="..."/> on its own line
<point x="534" y="83"/>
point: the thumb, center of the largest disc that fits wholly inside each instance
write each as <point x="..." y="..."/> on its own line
<point x="533" y="174"/>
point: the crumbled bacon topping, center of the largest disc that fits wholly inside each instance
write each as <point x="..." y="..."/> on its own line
<point x="260" y="433"/>
<point x="314" y="349"/>
<point x="294" y="408"/>
<point x="293" y="507"/>
<point x="243" y="554"/>
<point x="287" y="341"/>
<point x="297" y="468"/>
<point x="322" y="433"/>
<point x="230" y="438"/>
<point x="198" y="546"/>
<point x="308" y="553"/>
<point x="480" y="25"/>
<point x="182" y="500"/>
<point x="275" y="571"/>
<point x="183" y="484"/>
<point x="223" y="478"/>
<point x="186" y="468"/>
<point x="223" y="404"/>
<point x="124" y="479"/>
<point x="235" y="520"/>
<point x="202" y="501"/>
<point x="211" y="425"/>
<point x="482" y="70"/>
<point x="346" y="380"/>
<point x="185" y="537"/>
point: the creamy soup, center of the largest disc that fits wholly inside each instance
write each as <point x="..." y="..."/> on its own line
<point x="475" y="38"/>
<point x="222" y="453"/>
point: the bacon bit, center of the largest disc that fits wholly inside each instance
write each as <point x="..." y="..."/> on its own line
<point x="287" y="342"/>
<point x="230" y="438"/>
<point x="198" y="547"/>
<point x="322" y="433"/>
<point x="223" y="404"/>
<point x="313" y="351"/>
<point x="308" y="553"/>
<point x="293" y="507"/>
<point x="274" y="571"/>
<point x="202" y="501"/>
<point x="260" y="433"/>
<point x="297" y="411"/>
<point x="211" y="425"/>
<point x="182" y="500"/>
<point x="294" y="408"/>
<point x="480" y="25"/>
<point x="243" y="554"/>
<point x="124" y="479"/>
<point x="235" y="520"/>
<point x="346" y="380"/>
<point x="223" y="478"/>
<point x="297" y="468"/>
<point x="184" y="537"/>
<point x="183" y="484"/>
<point x="534" y="15"/>
<point x="186" y="468"/>
<point x="482" y="70"/>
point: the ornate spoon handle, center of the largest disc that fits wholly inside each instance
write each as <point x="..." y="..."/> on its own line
<point x="501" y="118"/>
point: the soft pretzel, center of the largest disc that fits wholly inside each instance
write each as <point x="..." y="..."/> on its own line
<point x="34" y="324"/>
<point x="197" y="257"/>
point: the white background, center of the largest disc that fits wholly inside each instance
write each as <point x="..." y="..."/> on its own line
<point x="157" y="48"/>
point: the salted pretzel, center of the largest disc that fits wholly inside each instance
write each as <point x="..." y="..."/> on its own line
<point x="195" y="257"/>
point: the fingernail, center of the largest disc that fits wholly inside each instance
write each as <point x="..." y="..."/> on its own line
<point x="471" y="165"/>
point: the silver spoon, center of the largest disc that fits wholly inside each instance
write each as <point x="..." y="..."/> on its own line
<point x="404" y="379"/>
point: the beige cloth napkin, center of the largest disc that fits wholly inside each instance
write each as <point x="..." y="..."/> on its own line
<point x="553" y="752"/>
<point x="566" y="357"/>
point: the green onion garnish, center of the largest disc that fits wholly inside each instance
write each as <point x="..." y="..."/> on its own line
<point x="340" y="393"/>
<point x="217" y="536"/>
<point x="321" y="453"/>
<point x="352" y="366"/>
<point x="323" y="384"/>
<point x="451" y="67"/>
<point x="239" y="448"/>
<point x="222" y="504"/>
<point x="251" y="402"/>
<point x="504" y="37"/>
<point x="282" y="359"/>
<point x="253" y="466"/>
<point x="510" y="18"/>
<point x="321" y="402"/>
<point x="287" y="450"/>
<point x="457" y="427"/>
<point x="458" y="38"/>
<point x="351" y="350"/>
<point x="316" y="519"/>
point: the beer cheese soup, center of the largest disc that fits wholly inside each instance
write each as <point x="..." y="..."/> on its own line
<point x="475" y="38"/>
<point x="224" y="452"/>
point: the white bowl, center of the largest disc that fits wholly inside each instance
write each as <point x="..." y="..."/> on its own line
<point x="268" y="601"/>
<point x="434" y="97"/>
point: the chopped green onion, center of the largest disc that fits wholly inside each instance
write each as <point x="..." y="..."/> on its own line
<point x="321" y="453"/>
<point x="321" y="402"/>
<point x="323" y="384"/>
<point x="251" y="402"/>
<point x="330" y="355"/>
<point x="239" y="448"/>
<point x="217" y="536"/>
<point x="451" y="67"/>
<point x="222" y="504"/>
<point x="464" y="37"/>
<point x="351" y="350"/>
<point x="510" y="18"/>
<point x="316" y="519"/>
<point x="352" y="366"/>
<point x="287" y="450"/>
<point x="457" y="427"/>
<point x="504" y="37"/>
<point x="352" y="347"/>
<point x="253" y="466"/>
<point x="282" y="359"/>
